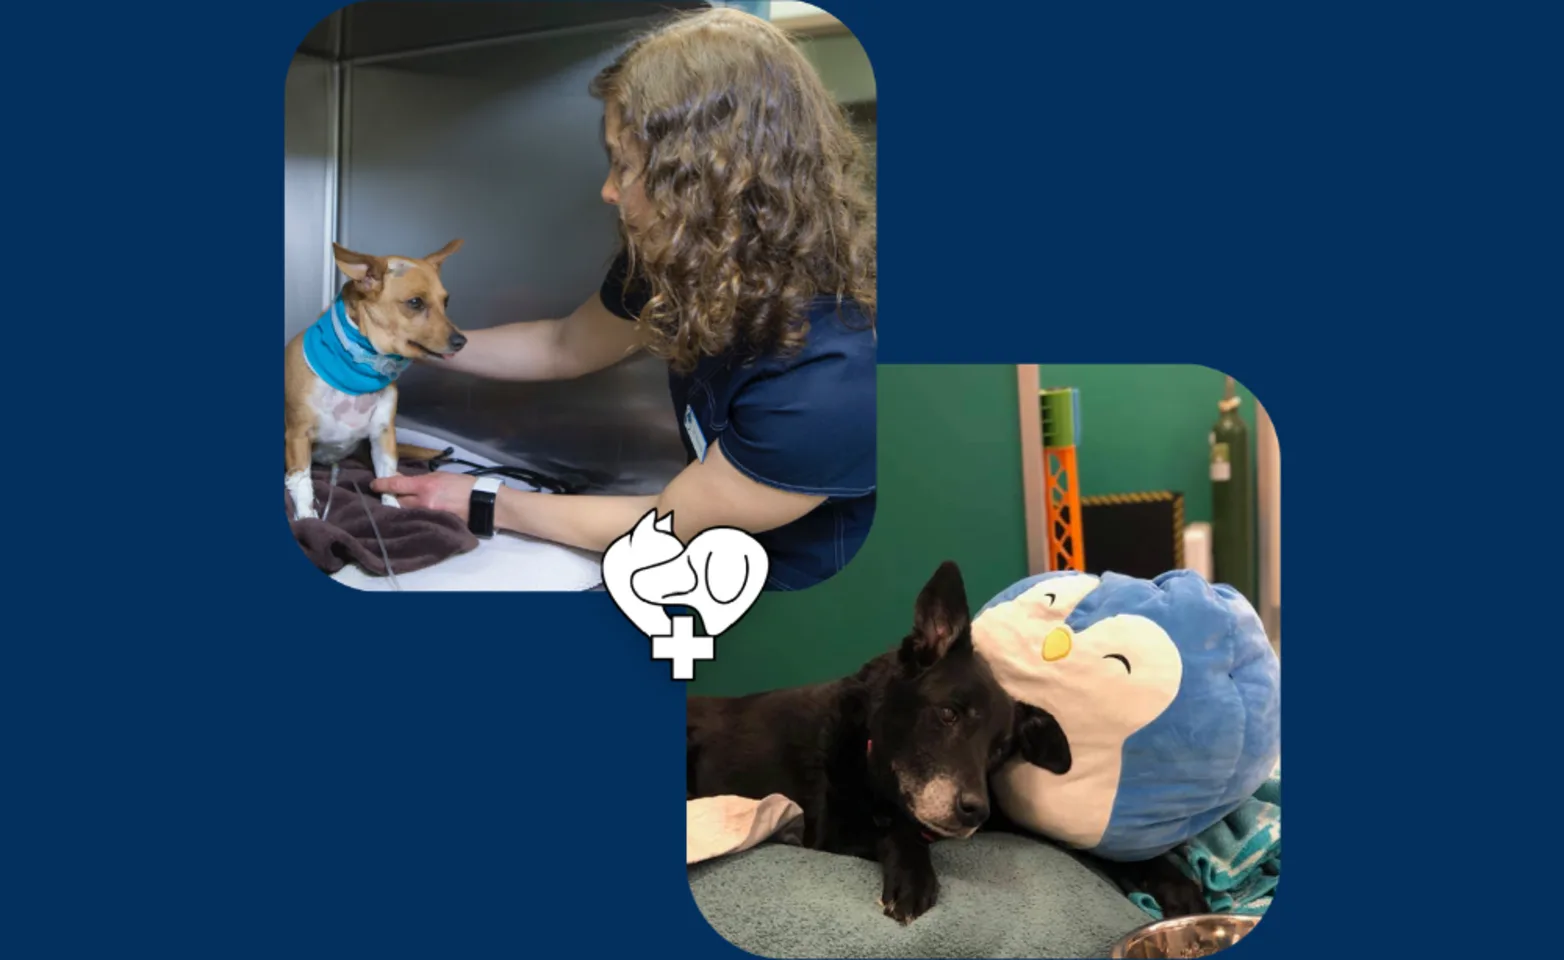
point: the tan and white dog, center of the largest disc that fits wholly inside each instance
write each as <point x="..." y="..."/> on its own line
<point x="342" y="370"/>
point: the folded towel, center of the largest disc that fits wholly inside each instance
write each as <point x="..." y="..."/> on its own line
<point x="717" y="826"/>
<point x="414" y="539"/>
<point x="1238" y="859"/>
<point x="1001" y="896"/>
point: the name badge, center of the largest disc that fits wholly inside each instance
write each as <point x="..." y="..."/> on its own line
<point x="693" y="429"/>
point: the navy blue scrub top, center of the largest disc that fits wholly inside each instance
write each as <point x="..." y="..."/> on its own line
<point x="804" y="423"/>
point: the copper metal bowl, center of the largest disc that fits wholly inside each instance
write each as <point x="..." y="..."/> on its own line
<point x="1196" y="936"/>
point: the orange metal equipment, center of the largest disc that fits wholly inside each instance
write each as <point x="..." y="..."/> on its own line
<point x="1061" y="425"/>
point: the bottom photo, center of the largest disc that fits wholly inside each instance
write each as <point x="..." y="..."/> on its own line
<point x="1038" y="715"/>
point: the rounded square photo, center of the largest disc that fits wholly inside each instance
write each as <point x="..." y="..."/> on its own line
<point x="1040" y="715"/>
<point x="555" y="268"/>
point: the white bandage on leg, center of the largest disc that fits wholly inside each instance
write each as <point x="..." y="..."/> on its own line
<point x="385" y="466"/>
<point x="302" y="490"/>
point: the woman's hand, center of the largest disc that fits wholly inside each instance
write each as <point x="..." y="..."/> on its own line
<point x="450" y="492"/>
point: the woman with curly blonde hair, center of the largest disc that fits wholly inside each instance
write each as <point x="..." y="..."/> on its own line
<point x="749" y="266"/>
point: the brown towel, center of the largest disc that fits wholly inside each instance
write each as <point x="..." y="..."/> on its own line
<point x="414" y="539"/>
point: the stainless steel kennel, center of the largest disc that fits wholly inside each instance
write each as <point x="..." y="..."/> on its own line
<point x="408" y="124"/>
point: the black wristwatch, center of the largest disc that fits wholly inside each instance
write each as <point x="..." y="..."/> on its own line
<point x="480" y="506"/>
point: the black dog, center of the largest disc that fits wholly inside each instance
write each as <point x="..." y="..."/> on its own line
<point x="896" y="756"/>
<point x="882" y="762"/>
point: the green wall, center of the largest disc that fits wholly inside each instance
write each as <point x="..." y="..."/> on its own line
<point x="1145" y="426"/>
<point x="949" y="488"/>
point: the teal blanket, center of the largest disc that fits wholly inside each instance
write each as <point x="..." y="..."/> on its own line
<point x="1238" y="860"/>
<point x="1001" y="895"/>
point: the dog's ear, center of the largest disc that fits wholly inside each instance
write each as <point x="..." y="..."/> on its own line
<point x="365" y="271"/>
<point x="1039" y="740"/>
<point x="940" y="621"/>
<point x="438" y="257"/>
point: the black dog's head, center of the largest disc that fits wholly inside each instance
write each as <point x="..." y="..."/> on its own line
<point x="941" y="722"/>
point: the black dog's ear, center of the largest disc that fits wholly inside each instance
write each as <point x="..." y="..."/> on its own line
<point x="940" y="620"/>
<point x="1039" y="740"/>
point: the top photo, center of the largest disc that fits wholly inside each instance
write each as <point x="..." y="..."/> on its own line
<point x="553" y="269"/>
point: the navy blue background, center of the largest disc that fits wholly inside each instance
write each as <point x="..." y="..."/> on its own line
<point x="212" y="751"/>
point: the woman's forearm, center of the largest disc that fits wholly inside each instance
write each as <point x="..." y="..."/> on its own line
<point x="586" y="522"/>
<point x="590" y="339"/>
<point x="705" y="494"/>
<point x="514" y="351"/>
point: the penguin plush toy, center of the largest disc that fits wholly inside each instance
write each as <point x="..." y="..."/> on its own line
<point x="1167" y="699"/>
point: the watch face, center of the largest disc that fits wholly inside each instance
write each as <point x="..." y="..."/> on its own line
<point x="480" y="512"/>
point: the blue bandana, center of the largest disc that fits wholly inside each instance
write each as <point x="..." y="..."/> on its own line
<point x="344" y="358"/>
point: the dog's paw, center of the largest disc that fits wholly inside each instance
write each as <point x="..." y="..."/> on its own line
<point x="1180" y="899"/>
<point x="905" y="899"/>
<point x="1177" y="894"/>
<point x="390" y="500"/>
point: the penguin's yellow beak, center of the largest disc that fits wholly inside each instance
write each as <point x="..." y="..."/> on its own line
<point x="1056" y="646"/>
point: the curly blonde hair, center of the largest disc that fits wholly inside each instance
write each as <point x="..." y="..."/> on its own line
<point x="756" y="182"/>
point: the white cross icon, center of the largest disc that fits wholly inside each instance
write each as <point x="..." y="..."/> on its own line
<point x="683" y="648"/>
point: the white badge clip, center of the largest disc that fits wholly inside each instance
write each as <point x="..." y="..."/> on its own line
<point x="693" y="429"/>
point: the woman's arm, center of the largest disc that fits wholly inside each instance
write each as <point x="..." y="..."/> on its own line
<point x="702" y="496"/>
<point x="590" y="339"/>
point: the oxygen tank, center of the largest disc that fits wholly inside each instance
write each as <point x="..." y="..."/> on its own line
<point x="1232" y="499"/>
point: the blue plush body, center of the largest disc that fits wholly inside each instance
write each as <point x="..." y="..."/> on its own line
<point x="1168" y="691"/>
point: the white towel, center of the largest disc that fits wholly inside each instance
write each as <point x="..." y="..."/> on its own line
<point x="718" y="826"/>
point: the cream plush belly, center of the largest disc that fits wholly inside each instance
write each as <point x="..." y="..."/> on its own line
<point x="1073" y="807"/>
<point x="343" y="420"/>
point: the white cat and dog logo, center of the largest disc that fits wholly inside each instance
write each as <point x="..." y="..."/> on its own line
<point x="719" y="575"/>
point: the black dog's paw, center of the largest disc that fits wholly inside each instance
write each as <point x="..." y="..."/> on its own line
<point x="1178" y="896"/>
<point x="1175" y="893"/>
<point x="907" y="896"/>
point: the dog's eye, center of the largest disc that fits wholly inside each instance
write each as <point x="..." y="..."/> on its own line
<point x="1121" y="659"/>
<point x="417" y="303"/>
<point x="947" y="715"/>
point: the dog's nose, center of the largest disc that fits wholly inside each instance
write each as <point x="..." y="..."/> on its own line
<point x="972" y="809"/>
<point x="457" y="341"/>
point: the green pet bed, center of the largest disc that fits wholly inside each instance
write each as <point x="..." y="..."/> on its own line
<point x="1001" y="895"/>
